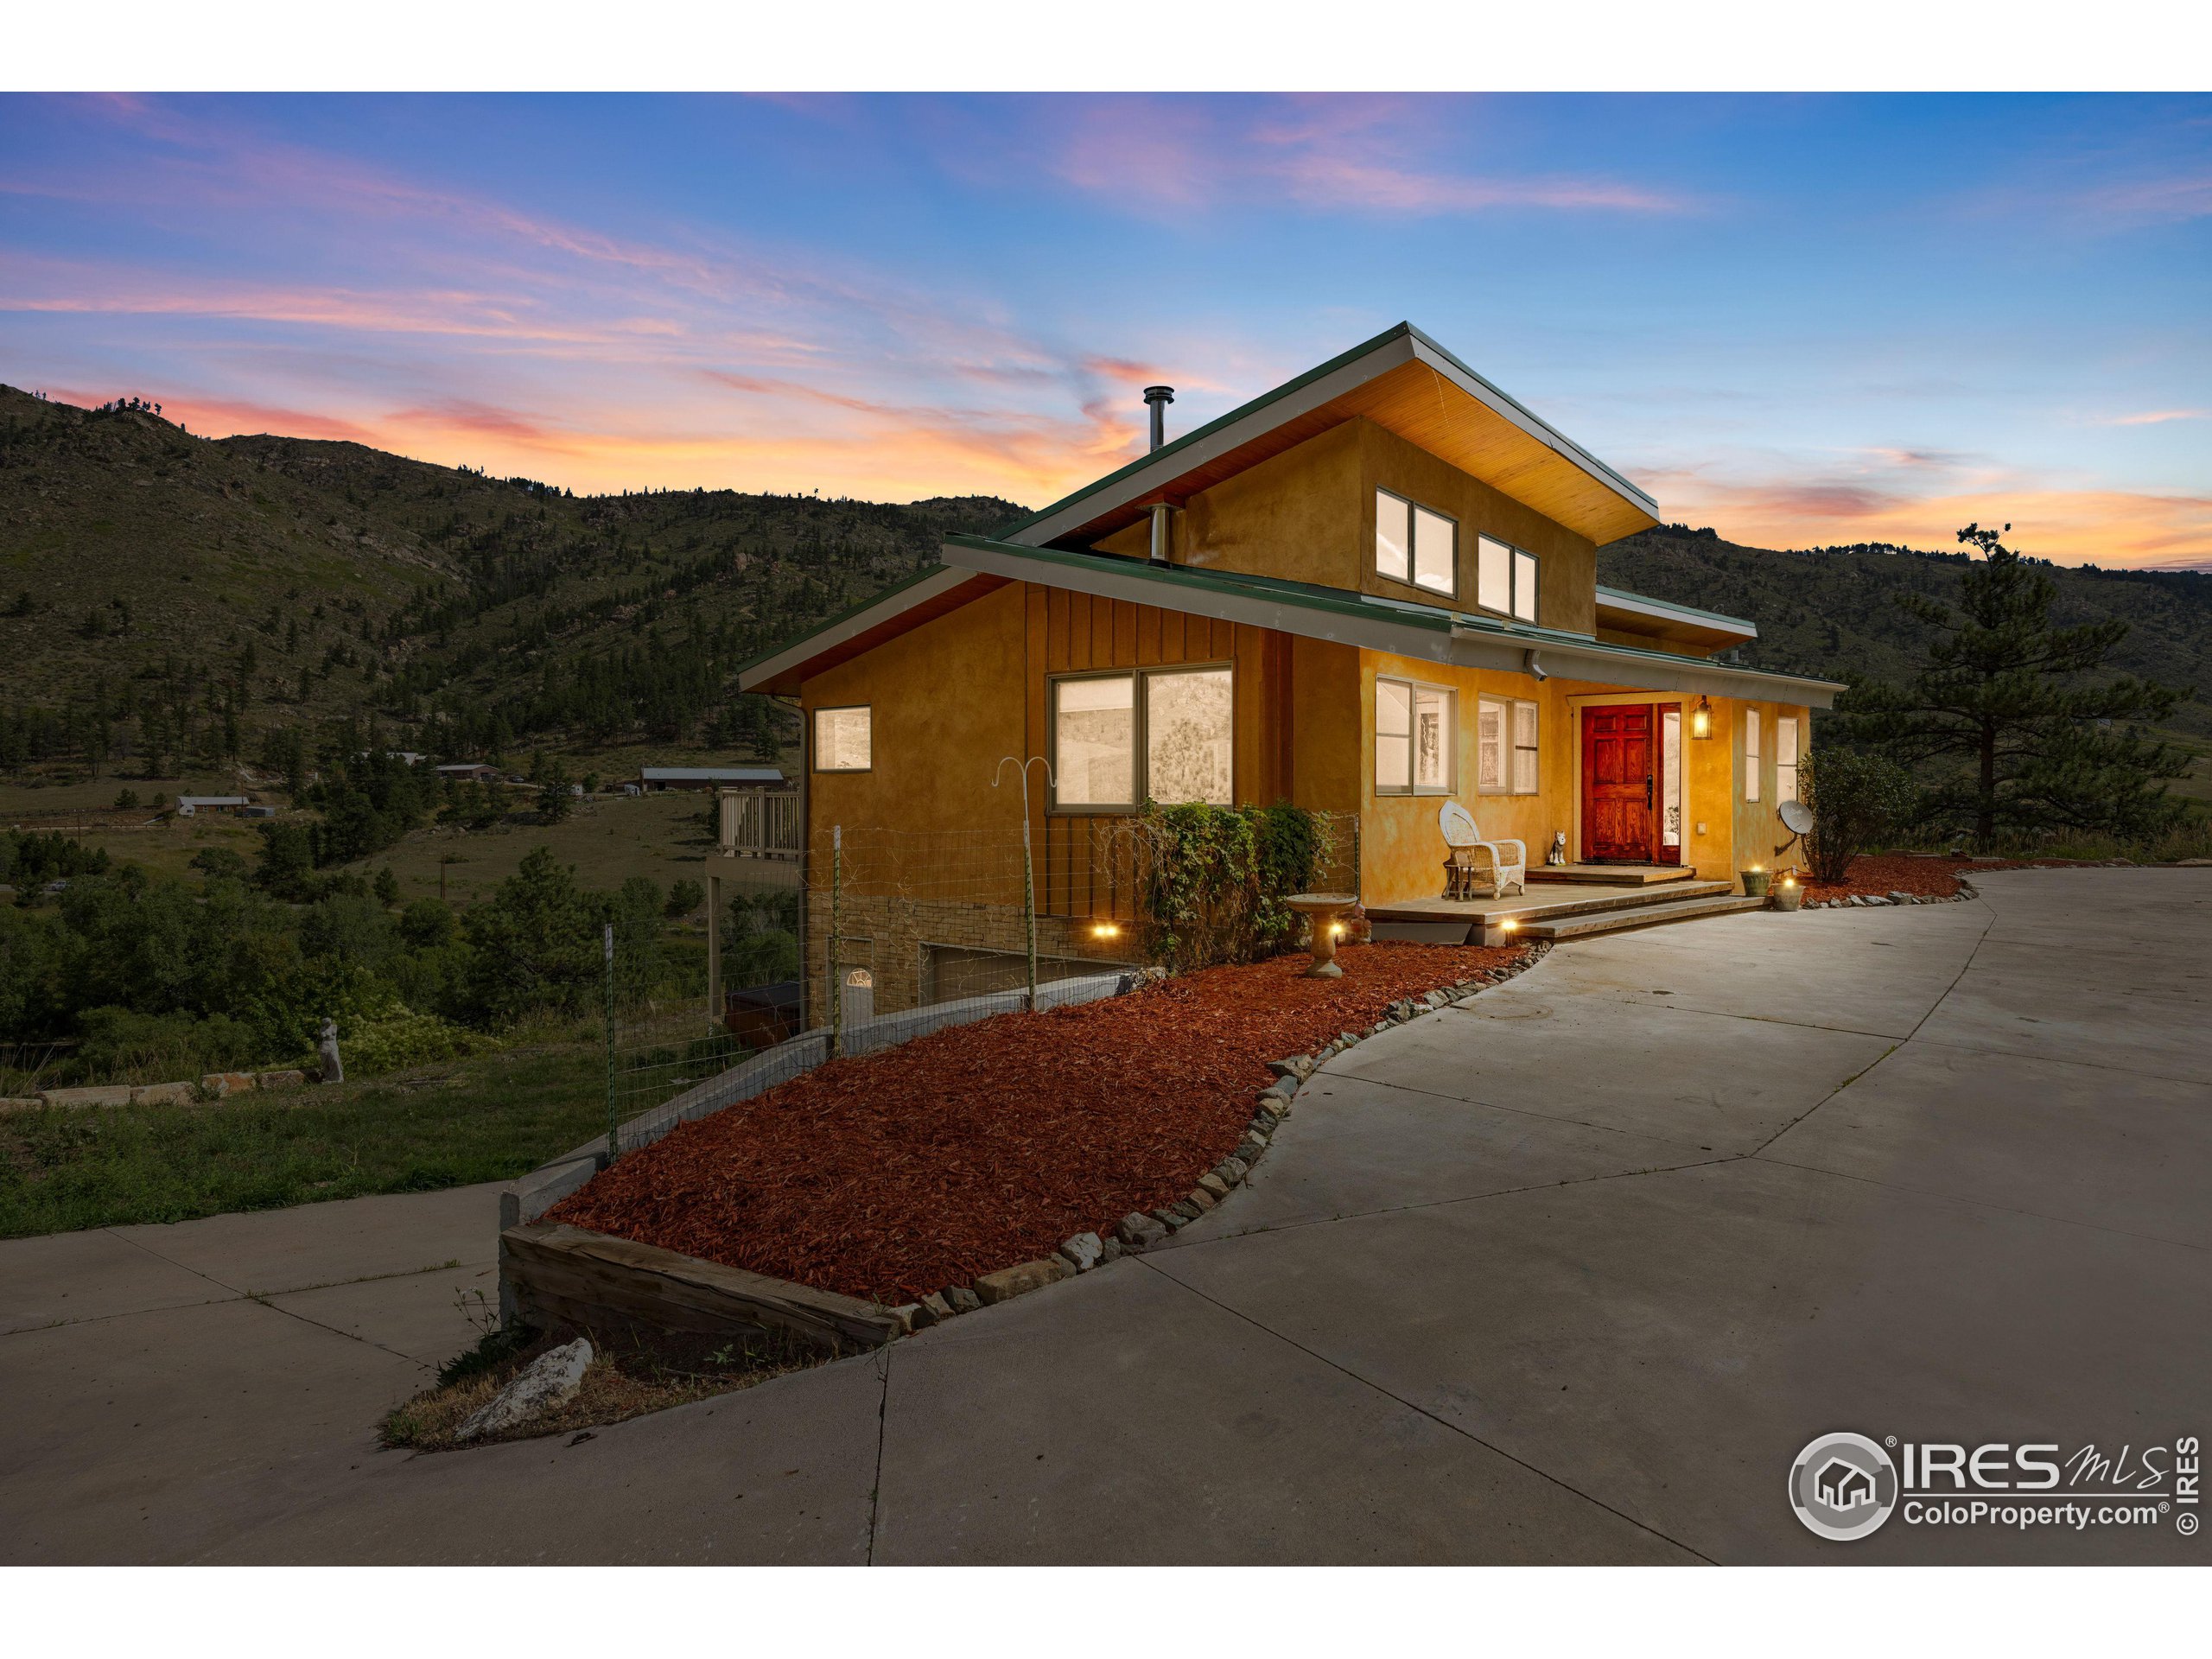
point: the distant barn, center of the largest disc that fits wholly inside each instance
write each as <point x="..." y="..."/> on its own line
<point x="190" y="806"/>
<point x="656" y="778"/>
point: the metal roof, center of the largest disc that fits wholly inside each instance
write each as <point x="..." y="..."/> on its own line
<point x="1368" y="621"/>
<point x="1311" y="395"/>
<point x="708" y="774"/>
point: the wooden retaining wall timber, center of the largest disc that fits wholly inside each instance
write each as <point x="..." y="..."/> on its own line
<point x="561" y="1275"/>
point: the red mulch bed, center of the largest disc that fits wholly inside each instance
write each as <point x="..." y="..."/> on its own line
<point x="1926" y="877"/>
<point x="894" y="1174"/>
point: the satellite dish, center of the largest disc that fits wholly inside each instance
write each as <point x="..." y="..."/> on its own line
<point x="1796" y="817"/>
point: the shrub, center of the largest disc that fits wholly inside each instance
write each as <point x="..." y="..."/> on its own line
<point x="1856" y="801"/>
<point x="404" y="1038"/>
<point x="1212" y="878"/>
<point x="684" y="897"/>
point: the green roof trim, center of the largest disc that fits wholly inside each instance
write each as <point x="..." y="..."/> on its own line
<point x="1338" y="600"/>
<point x="1605" y="593"/>
<point x="1567" y="445"/>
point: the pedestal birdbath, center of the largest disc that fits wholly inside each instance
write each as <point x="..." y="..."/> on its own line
<point x="1321" y="911"/>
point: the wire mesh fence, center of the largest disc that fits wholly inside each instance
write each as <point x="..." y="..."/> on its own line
<point x="884" y="934"/>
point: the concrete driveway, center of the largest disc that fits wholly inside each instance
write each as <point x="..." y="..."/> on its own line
<point x="1567" y="1274"/>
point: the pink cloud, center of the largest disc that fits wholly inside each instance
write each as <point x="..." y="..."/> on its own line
<point x="1358" y="154"/>
<point x="2155" y="418"/>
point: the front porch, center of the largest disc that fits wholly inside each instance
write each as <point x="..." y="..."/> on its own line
<point x="1559" y="907"/>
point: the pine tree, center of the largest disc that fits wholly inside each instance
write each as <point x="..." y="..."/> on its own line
<point x="2002" y="692"/>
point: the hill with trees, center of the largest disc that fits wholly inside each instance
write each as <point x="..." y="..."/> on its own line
<point x="1836" y="611"/>
<point x="167" y="600"/>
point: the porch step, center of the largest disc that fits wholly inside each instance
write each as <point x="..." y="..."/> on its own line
<point x="1610" y="875"/>
<point x="1618" y="918"/>
<point x="1568" y="905"/>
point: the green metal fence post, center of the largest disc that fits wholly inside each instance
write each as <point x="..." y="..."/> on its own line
<point x="837" y="985"/>
<point x="614" y="1124"/>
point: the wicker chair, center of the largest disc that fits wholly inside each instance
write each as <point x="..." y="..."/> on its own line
<point x="1471" y="864"/>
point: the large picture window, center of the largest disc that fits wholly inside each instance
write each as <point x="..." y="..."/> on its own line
<point x="1505" y="579"/>
<point x="1161" y="735"/>
<point x="844" y="739"/>
<point x="1416" y="544"/>
<point x="1506" y="753"/>
<point x="1412" y="739"/>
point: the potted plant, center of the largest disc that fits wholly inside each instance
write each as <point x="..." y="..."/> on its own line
<point x="1755" y="881"/>
<point x="1789" y="893"/>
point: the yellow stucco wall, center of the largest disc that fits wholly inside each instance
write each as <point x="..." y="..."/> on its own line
<point x="1403" y="850"/>
<point x="1308" y="515"/>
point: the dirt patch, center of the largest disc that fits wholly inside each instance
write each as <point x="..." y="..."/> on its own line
<point x="894" y="1174"/>
<point x="620" y="1382"/>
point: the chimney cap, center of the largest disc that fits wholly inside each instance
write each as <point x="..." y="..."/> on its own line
<point x="1159" y="394"/>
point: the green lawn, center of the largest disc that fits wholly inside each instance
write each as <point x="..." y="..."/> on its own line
<point x="482" y="1120"/>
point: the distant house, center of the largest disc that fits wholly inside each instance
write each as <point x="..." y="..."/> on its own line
<point x="405" y="757"/>
<point x="191" y="806"/>
<point x="656" y="778"/>
<point x="469" y="772"/>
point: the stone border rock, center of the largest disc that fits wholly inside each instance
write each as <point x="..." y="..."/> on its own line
<point x="1875" y="901"/>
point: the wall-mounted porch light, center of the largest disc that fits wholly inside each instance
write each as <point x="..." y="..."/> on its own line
<point x="1701" y="719"/>
<point x="1104" y="931"/>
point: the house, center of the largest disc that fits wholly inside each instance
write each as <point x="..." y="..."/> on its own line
<point x="469" y="772"/>
<point x="661" y="777"/>
<point x="1372" y="590"/>
<point x="1843" y="1485"/>
<point x="191" y="806"/>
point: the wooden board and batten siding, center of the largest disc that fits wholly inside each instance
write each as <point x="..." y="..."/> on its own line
<point x="1082" y="869"/>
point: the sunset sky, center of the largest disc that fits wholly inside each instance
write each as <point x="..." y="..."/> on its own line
<point x="1800" y="320"/>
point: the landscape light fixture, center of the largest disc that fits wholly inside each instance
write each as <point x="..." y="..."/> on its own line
<point x="1701" y="719"/>
<point x="1104" y="931"/>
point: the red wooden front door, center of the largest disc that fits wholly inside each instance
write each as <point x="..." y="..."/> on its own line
<point x="1618" y="782"/>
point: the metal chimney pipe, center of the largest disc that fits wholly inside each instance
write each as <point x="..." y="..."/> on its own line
<point x="1157" y="398"/>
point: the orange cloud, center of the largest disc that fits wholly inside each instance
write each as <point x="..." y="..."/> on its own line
<point x="2156" y="417"/>
<point x="2106" y="527"/>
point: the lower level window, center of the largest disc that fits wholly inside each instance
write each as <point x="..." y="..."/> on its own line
<point x="1785" y="759"/>
<point x="1412" y="739"/>
<point x="1155" y="735"/>
<point x="1505" y="746"/>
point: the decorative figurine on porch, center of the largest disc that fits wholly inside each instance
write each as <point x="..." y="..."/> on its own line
<point x="1556" y="854"/>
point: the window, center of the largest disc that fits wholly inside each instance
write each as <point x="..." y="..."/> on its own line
<point x="1113" y="749"/>
<point x="1413" y="544"/>
<point x="1094" y="741"/>
<point x="1187" y="734"/>
<point x="1394" y="537"/>
<point x="1505" y="746"/>
<point x="1412" y="739"/>
<point x="1750" y="754"/>
<point x="1785" y="759"/>
<point x="1505" y="579"/>
<point x="843" y="740"/>
<point x="1524" y="585"/>
<point x="1436" y="552"/>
